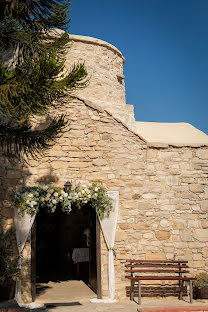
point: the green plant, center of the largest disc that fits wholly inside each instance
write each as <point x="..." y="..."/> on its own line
<point x="33" y="81"/>
<point x="8" y="263"/>
<point x="202" y="280"/>
<point x="94" y="195"/>
<point x="31" y="199"/>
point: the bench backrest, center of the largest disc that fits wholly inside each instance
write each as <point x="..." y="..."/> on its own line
<point x="138" y="267"/>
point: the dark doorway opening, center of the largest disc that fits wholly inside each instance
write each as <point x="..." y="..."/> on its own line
<point x="61" y="246"/>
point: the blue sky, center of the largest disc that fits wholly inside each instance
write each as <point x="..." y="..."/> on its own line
<point x="165" y="44"/>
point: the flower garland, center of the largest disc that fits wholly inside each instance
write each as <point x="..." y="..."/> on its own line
<point x="33" y="198"/>
<point x="93" y="194"/>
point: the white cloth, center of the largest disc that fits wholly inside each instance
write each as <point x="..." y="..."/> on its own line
<point x="108" y="225"/>
<point x="80" y="255"/>
<point x="106" y="300"/>
<point x="23" y="225"/>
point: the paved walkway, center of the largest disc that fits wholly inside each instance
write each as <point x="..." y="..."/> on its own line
<point x="74" y="296"/>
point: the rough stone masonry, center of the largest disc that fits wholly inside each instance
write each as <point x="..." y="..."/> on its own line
<point x="163" y="191"/>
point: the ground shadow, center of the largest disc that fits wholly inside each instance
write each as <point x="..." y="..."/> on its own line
<point x="40" y="289"/>
<point x="157" y="291"/>
<point x="53" y="305"/>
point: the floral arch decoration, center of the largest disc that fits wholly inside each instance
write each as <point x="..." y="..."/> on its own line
<point x="33" y="198"/>
<point x="30" y="200"/>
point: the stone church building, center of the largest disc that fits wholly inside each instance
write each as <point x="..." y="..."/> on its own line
<point x="159" y="169"/>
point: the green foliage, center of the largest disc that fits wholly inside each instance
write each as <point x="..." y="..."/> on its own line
<point x="32" y="199"/>
<point x="8" y="263"/>
<point x="36" y="15"/>
<point x="35" y="81"/>
<point x="202" y="280"/>
<point x="19" y="140"/>
<point x="94" y="195"/>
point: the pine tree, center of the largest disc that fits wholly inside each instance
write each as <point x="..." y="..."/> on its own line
<point x="33" y="81"/>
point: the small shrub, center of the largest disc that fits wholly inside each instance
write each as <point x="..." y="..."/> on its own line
<point x="8" y="263"/>
<point x="202" y="280"/>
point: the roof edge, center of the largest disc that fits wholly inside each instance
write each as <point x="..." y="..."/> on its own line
<point x="100" y="109"/>
<point x="96" y="41"/>
<point x="198" y="137"/>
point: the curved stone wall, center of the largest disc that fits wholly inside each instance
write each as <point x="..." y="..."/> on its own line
<point x="104" y="64"/>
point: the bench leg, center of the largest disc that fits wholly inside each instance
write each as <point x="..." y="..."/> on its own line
<point x="191" y="292"/>
<point x="132" y="290"/>
<point x="139" y="292"/>
<point x="180" y="297"/>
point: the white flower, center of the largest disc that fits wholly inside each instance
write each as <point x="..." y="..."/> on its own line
<point x="83" y="191"/>
<point x="30" y="195"/>
<point x="65" y="195"/>
<point x="62" y="192"/>
<point x="96" y="189"/>
<point x="61" y="197"/>
<point x="51" y="191"/>
<point x="55" y="194"/>
<point x="33" y="202"/>
<point x="47" y="198"/>
<point x="42" y="199"/>
<point x="54" y="201"/>
<point x="45" y="187"/>
<point x="87" y="191"/>
<point x="48" y="195"/>
<point x="27" y="201"/>
<point x="89" y="196"/>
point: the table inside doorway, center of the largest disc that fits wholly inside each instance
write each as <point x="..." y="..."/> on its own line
<point x="80" y="255"/>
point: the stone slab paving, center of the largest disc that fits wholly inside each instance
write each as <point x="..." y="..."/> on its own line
<point x="74" y="296"/>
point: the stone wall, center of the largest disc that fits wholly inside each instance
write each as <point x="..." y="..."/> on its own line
<point x="163" y="193"/>
<point x="104" y="64"/>
<point x="168" y="219"/>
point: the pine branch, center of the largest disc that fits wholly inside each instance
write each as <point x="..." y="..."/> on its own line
<point x="34" y="79"/>
<point x="38" y="15"/>
<point x="33" y="89"/>
<point x="19" y="141"/>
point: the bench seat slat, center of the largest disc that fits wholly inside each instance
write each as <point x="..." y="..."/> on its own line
<point x="157" y="265"/>
<point x="171" y="278"/>
<point x="158" y="271"/>
<point x="157" y="261"/>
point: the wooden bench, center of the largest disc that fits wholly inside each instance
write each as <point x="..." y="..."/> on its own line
<point x="159" y="270"/>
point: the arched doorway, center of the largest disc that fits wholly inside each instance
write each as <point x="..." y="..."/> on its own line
<point x="61" y="250"/>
